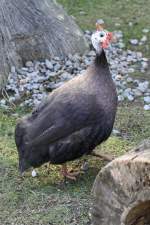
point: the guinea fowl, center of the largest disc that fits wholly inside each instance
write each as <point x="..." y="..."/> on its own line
<point x="74" y="119"/>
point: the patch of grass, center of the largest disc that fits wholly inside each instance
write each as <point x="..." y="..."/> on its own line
<point x="112" y="11"/>
<point x="133" y="122"/>
<point x="46" y="199"/>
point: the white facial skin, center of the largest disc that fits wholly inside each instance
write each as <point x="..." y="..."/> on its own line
<point x="97" y="39"/>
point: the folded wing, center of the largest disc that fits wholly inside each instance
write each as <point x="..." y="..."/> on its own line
<point x="58" y="119"/>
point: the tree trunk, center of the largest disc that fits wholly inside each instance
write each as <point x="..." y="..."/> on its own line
<point x="35" y="29"/>
<point x="122" y="190"/>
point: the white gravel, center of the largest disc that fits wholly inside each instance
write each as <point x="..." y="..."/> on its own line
<point x="28" y="86"/>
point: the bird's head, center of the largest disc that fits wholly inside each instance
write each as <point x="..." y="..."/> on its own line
<point x="101" y="38"/>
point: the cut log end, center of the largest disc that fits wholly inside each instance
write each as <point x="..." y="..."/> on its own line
<point x="139" y="214"/>
<point x="122" y="190"/>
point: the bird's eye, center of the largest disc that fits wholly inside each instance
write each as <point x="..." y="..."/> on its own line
<point x="102" y="34"/>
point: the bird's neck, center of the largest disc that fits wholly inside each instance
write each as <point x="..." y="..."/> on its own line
<point x="101" y="60"/>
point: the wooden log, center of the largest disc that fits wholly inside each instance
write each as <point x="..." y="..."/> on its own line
<point x="35" y="30"/>
<point x="121" y="190"/>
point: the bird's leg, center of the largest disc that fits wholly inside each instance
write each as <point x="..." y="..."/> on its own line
<point x="67" y="174"/>
<point x="48" y="167"/>
<point x="102" y="156"/>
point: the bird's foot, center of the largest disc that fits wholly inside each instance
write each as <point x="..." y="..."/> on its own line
<point x="68" y="174"/>
<point x="102" y="156"/>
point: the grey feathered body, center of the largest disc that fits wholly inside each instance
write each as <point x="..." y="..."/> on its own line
<point x="73" y="120"/>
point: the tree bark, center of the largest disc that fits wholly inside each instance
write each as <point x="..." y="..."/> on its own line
<point x="122" y="190"/>
<point x="35" y="29"/>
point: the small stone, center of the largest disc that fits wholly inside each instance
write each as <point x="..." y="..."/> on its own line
<point x="120" y="98"/>
<point x="76" y="66"/>
<point x="5" y="107"/>
<point x="87" y="32"/>
<point x="24" y="69"/>
<point x="36" y="102"/>
<point x="87" y="62"/>
<point x="131" y="70"/>
<point x="147" y="99"/>
<point x="22" y="104"/>
<point x="129" y="80"/>
<point x="145" y="30"/>
<point x="144" y="65"/>
<point x="41" y="88"/>
<point x="137" y="92"/>
<point x="128" y="90"/>
<point x="56" y="85"/>
<point x="57" y="67"/>
<point x="121" y="45"/>
<point x="13" y="69"/>
<point x="34" y="174"/>
<point x="143" y="86"/>
<point x="36" y="65"/>
<point x="35" y="86"/>
<point x="145" y="59"/>
<point x="68" y="63"/>
<point x="3" y="102"/>
<point x="82" y="13"/>
<point x="144" y="38"/>
<point x="42" y="70"/>
<point x="91" y="53"/>
<point x="56" y="58"/>
<point x="128" y="94"/>
<point x="29" y="64"/>
<point x="20" y="71"/>
<point x="118" y="34"/>
<point x="146" y="107"/>
<point x="116" y="132"/>
<point x="33" y="75"/>
<point x="66" y="76"/>
<point x="130" y="98"/>
<point x="118" y="77"/>
<point x="35" y="91"/>
<point x="39" y="96"/>
<point x="41" y="79"/>
<point x="29" y="87"/>
<point x="141" y="43"/>
<point x="76" y="58"/>
<point x="52" y="74"/>
<point x="134" y="41"/>
<point x="11" y="81"/>
<point x="147" y="92"/>
<point x="130" y="24"/>
<point x="48" y="64"/>
<point x="85" y="166"/>
<point x="100" y="21"/>
<point x="23" y="81"/>
<point x="136" y="82"/>
<point x="139" y="55"/>
<point x="12" y="99"/>
<point x="16" y="115"/>
<point x="31" y="69"/>
<point x="117" y="24"/>
<point x="17" y="97"/>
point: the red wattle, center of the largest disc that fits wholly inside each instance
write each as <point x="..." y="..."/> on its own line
<point x="109" y="37"/>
